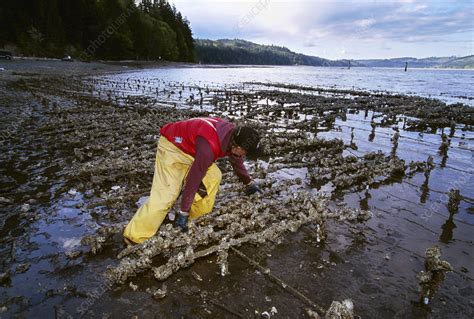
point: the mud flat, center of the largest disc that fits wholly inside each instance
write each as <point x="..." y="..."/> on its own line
<point x="356" y="187"/>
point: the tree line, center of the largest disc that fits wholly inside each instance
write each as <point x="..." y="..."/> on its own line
<point x="96" y="29"/>
<point x="236" y="51"/>
<point x="233" y="52"/>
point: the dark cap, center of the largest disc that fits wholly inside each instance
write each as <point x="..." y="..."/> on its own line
<point x="248" y="139"/>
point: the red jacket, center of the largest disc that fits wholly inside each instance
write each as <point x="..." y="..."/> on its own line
<point x="206" y="139"/>
<point x="183" y="134"/>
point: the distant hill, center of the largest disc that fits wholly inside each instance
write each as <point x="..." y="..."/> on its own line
<point x="227" y="51"/>
<point x="432" y="62"/>
<point x="237" y="51"/>
<point x="466" y="62"/>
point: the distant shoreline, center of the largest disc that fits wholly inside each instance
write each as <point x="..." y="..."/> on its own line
<point x="143" y="64"/>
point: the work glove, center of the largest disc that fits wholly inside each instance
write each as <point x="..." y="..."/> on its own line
<point x="252" y="188"/>
<point x="181" y="221"/>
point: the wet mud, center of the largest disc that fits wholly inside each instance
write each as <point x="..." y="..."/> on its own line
<point x="357" y="187"/>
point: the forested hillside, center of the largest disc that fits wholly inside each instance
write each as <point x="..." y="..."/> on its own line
<point x="244" y="52"/>
<point x="96" y="29"/>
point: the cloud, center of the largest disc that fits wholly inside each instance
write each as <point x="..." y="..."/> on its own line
<point x="365" y="25"/>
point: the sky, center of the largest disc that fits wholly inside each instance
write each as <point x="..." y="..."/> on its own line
<point x="341" y="29"/>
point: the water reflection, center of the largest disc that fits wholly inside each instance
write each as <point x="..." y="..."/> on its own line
<point x="425" y="189"/>
<point x="447" y="233"/>
<point x="453" y="207"/>
<point x="364" y="202"/>
<point x="372" y="133"/>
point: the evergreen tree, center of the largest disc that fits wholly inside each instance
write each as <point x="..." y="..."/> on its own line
<point x="96" y="29"/>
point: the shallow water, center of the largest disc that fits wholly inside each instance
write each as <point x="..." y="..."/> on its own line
<point x="375" y="264"/>
<point x="450" y="86"/>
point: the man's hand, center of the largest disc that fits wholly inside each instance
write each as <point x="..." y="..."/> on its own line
<point x="252" y="188"/>
<point x="181" y="221"/>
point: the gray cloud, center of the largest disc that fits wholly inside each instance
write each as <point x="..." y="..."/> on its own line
<point x="312" y="25"/>
<point x="393" y="20"/>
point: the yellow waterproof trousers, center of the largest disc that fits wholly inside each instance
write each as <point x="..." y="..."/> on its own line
<point x="171" y="168"/>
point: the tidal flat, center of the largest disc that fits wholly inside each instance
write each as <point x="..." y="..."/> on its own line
<point x="358" y="187"/>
